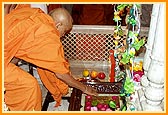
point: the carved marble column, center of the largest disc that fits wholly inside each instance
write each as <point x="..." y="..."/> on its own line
<point x="153" y="80"/>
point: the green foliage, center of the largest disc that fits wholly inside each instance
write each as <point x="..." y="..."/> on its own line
<point x="124" y="108"/>
<point x="122" y="6"/>
<point x="125" y="58"/>
<point x="132" y="34"/>
<point x="94" y="103"/>
<point x="131" y="20"/>
<point x="118" y="31"/>
<point x="128" y="87"/>
<point x="112" y="104"/>
<point x="137" y="44"/>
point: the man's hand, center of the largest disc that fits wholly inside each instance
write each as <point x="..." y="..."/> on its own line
<point x="90" y="91"/>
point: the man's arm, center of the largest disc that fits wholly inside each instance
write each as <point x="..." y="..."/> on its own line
<point x="69" y="80"/>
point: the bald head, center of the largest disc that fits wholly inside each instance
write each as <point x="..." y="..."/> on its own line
<point x="63" y="20"/>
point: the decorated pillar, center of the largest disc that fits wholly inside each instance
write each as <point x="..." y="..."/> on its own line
<point x="153" y="79"/>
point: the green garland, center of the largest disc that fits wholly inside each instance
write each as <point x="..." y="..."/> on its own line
<point x="129" y="53"/>
<point x="133" y="44"/>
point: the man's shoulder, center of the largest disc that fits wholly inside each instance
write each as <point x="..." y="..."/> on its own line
<point x="24" y="13"/>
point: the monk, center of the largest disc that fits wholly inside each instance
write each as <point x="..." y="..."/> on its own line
<point x="33" y="36"/>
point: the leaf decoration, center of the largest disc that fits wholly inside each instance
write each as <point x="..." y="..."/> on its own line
<point x="122" y="6"/>
<point x="132" y="35"/>
<point x="120" y="31"/>
<point x="128" y="86"/>
<point x="124" y="108"/>
<point x="138" y="5"/>
<point x="132" y="21"/>
<point x="112" y="104"/>
<point x="94" y="103"/>
<point x="125" y="58"/>
<point x="138" y="44"/>
<point x="122" y="94"/>
<point x="132" y="39"/>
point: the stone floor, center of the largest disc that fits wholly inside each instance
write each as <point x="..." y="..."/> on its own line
<point x="64" y="104"/>
<point x="63" y="107"/>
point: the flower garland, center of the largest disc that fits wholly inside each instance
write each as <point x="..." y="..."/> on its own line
<point x="132" y="43"/>
<point x="126" y="53"/>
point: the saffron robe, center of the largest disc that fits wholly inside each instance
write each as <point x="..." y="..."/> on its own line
<point x="30" y="35"/>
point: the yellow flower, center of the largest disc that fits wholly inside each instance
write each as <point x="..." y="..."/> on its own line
<point x="132" y="51"/>
<point x="117" y="18"/>
<point x="141" y="63"/>
<point x="115" y="31"/>
<point x="137" y="67"/>
<point x="116" y="13"/>
<point x="136" y="39"/>
<point x="117" y="37"/>
<point x="131" y="60"/>
<point x="115" y="42"/>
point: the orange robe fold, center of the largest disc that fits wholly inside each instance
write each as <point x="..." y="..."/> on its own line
<point x="53" y="84"/>
<point x="30" y="34"/>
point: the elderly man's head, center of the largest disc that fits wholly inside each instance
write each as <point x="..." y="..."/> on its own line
<point x="63" y="20"/>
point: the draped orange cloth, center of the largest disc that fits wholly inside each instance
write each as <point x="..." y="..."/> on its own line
<point x="30" y="35"/>
<point x="22" y="6"/>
